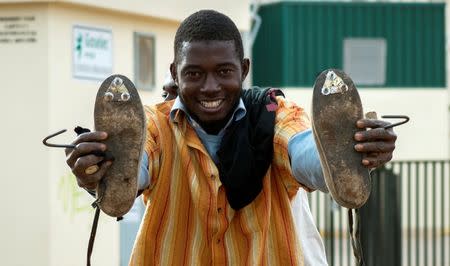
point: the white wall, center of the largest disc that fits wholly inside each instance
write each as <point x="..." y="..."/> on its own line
<point x="25" y="213"/>
<point x="175" y="10"/>
<point x="72" y="103"/>
<point x="41" y="202"/>
<point x="424" y="137"/>
<point x="48" y="217"/>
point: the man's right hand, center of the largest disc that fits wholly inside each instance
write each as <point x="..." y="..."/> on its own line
<point x="87" y="145"/>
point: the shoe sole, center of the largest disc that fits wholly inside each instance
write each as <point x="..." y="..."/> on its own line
<point x="335" y="110"/>
<point x="124" y="121"/>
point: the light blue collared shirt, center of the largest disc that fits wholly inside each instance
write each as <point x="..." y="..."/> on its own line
<point x="302" y="150"/>
<point x="211" y="142"/>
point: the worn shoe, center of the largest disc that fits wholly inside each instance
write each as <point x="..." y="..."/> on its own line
<point x="336" y="108"/>
<point x="119" y="112"/>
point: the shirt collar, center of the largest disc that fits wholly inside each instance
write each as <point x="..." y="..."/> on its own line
<point x="238" y="113"/>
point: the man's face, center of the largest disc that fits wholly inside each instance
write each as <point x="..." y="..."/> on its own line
<point x="209" y="75"/>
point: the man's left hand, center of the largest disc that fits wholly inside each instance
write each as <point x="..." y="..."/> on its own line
<point x="377" y="143"/>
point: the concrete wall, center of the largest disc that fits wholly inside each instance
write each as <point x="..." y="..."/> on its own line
<point x="25" y="218"/>
<point x="175" y="10"/>
<point x="46" y="217"/>
<point x="72" y="102"/>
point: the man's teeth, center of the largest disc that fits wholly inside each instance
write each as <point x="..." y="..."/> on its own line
<point x="211" y="104"/>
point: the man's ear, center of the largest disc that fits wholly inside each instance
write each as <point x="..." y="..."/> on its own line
<point x="173" y="72"/>
<point x="245" y="68"/>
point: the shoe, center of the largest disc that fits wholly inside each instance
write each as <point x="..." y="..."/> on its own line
<point x="119" y="112"/>
<point x="335" y="109"/>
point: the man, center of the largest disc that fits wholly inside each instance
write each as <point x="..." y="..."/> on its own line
<point x="221" y="170"/>
<point x="304" y="222"/>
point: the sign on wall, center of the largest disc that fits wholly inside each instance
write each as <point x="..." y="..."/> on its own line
<point x="91" y="53"/>
<point x="18" y="29"/>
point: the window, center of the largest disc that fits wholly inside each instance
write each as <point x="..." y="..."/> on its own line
<point x="144" y="61"/>
<point x="365" y="60"/>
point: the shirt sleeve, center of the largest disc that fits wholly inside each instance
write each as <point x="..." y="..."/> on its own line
<point x="290" y="119"/>
<point x="150" y="163"/>
<point x="144" y="177"/>
<point x="305" y="162"/>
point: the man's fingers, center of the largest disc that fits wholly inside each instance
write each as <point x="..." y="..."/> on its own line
<point x="376" y="134"/>
<point x="377" y="147"/>
<point x="89" y="186"/>
<point x="91" y="136"/>
<point x="371" y="123"/>
<point x="83" y="149"/>
<point x="85" y="158"/>
<point x="377" y="143"/>
<point x="373" y="160"/>
<point x="95" y="136"/>
<point x="82" y="163"/>
<point x="91" y="169"/>
<point x="91" y="181"/>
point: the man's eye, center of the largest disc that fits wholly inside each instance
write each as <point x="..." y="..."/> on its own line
<point x="225" y="72"/>
<point x="192" y="74"/>
<point x="164" y="94"/>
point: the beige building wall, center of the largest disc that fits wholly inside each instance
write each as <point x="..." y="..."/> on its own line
<point x="175" y="10"/>
<point x="46" y="218"/>
<point x="25" y="211"/>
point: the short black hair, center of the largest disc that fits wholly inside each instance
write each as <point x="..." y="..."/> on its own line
<point x="208" y="25"/>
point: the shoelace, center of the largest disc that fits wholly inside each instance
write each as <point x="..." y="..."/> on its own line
<point x="355" y="236"/>
<point x="93" y="232"/>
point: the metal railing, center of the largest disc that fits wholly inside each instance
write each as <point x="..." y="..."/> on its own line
<point x="405" y="222"/>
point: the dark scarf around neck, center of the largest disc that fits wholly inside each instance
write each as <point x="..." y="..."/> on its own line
<point x="246" y="150"/>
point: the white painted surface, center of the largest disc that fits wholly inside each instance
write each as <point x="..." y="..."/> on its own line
<point x="25" y="213"/>
<point x="424" y="137"/>
<point x="175" y="10"/>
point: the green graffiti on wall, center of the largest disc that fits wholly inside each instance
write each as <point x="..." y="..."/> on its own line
<point x="74" y="199"/>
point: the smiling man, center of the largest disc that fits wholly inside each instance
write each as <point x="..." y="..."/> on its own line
<point x="222" y="164"/>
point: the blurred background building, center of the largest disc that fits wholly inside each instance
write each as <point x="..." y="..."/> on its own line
<point x="55" y="54"/>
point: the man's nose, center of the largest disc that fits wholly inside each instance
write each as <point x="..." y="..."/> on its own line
<point x="211" y="84"/>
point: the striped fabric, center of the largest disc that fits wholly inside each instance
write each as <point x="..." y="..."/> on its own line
<point x="188" y="221"/>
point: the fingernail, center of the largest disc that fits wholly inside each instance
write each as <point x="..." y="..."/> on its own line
<point x="365" y="162"/>
<point x="104" y="135"/>
<point x="103" y="147"/>
<point x="108" y="163"/>
<point x="359" y="124"/>
<point x="358" y="147"/>
<point x="358" y="136"/>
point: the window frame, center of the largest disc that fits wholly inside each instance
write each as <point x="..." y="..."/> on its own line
<point x="378" y="71"/>
<point x="137" y="60"/>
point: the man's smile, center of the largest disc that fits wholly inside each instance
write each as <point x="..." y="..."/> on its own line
<point x="211" y="104"/>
